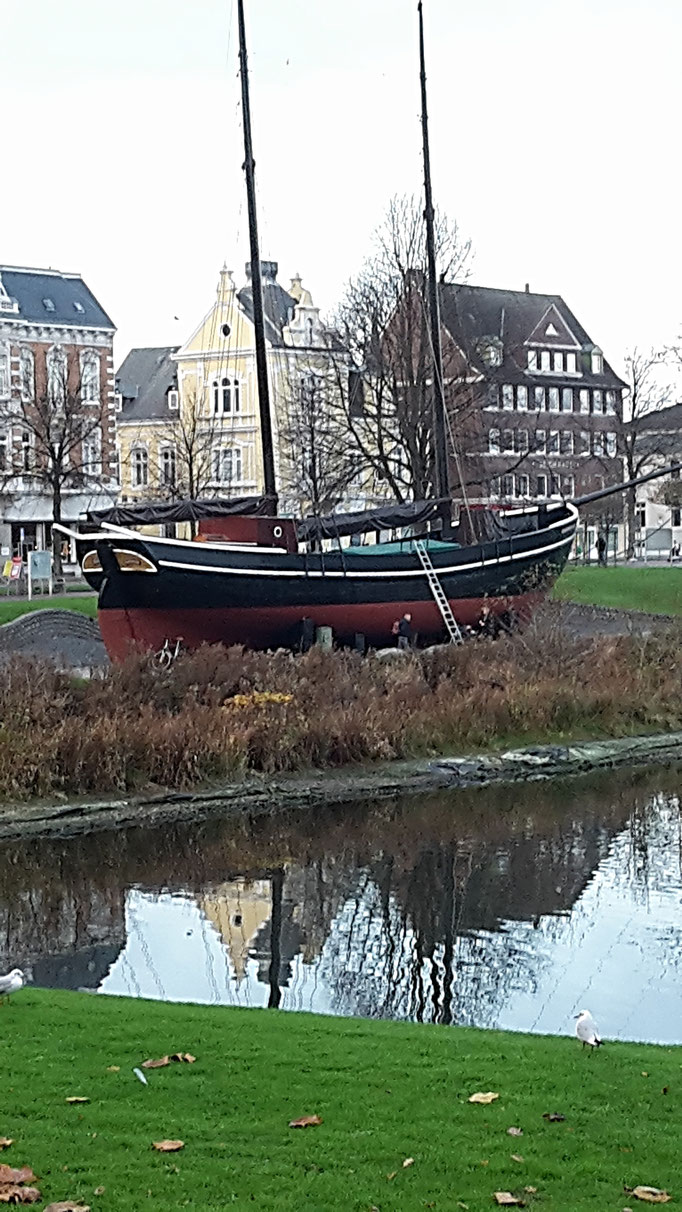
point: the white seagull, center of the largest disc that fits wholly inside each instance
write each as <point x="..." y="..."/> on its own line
<point x="586" y="1030"/>
<point x="12" y="982"/>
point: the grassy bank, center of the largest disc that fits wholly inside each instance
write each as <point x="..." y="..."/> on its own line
<point x="219" y="713"/>
<point x="654" y="590"/>
<point x="386" y="1092"/>
<point x="12" y="608"/>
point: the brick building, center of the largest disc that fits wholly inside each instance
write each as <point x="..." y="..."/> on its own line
<point x="548" y="405"/>
<point x="56" y="404"/>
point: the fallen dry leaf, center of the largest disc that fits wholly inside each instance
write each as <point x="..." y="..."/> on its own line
<point x="531" y="1190"/>
<point x="650" y="1195"/>
<point x="514" y="1131"/>
<point x="168" y="1146"/>
<point x="409" y="1161"/>
<point x="554" y="1117"/>
<point x="67" y="1205"/>
<point x="306" y="1121"/>
<point x="516" y="1157"/>
<point x="6" y="1141"/>
<point x="156" y="1064"/>
<point x="483" y="1098"/>
<point x="113" y="1068"/>
<point x="184" y="1056"/>
<point x="507" y="1200"/>
<point x="22" y="1175"/>
<point x="391" y="1176"/>
<point x="11" y="1194"/>
<point x="99" y="1191"/>
<point x="77" y="1098"/>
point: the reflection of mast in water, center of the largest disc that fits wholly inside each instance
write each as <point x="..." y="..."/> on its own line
<point x="277" y="883"/>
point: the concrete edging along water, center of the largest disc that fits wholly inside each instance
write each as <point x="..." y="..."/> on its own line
<point x="258" y="794"/>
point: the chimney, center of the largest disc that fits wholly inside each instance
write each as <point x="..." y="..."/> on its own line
<point x="527" y="288"/>
<point x="268" y="270"/>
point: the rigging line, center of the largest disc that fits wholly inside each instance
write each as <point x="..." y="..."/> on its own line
<point x="448" y="423"/>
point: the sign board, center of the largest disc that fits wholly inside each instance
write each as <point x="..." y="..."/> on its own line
<point x="4" y="551"/>
<point x="39" y="569"/>
<point x="659" y="541"/>
<point x="17" y="566"/>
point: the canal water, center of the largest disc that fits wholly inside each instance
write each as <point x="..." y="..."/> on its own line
<point x="505" y="907"/>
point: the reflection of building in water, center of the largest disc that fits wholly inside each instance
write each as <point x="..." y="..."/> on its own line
<point x="238" y="909"/>
<point x="67" y="937"/>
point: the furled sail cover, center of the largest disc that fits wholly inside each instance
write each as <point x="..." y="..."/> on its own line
<point x="149" y="513"/>
<point x="389" y="517"/>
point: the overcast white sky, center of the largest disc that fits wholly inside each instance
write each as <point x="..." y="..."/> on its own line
<point x="555" y="144"/>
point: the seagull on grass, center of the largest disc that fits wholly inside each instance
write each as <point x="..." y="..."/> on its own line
<point x="12" y="982"/>
<point x="586" y="1030"/>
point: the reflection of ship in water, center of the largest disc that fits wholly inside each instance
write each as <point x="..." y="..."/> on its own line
<point x="428" y="909"/>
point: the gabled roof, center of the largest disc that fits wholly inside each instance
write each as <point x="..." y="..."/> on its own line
<point x="278" y="306"/>
<point x="661" y="420"/>
<point x="516" y="317"/>
<point x="144" y="379"/>
<point x="46" y="296"/>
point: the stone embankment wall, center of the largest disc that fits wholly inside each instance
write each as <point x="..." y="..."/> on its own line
<point x="65" y="636"/>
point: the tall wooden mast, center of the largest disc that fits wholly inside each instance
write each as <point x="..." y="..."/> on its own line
<point x="256" y="277"/>
<point x="442" y="484"/>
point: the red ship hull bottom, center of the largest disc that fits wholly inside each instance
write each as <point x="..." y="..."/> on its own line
<point x="139" y="629"/>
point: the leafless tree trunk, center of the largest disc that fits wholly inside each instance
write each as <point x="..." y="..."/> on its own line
<point x="640" y="443"/>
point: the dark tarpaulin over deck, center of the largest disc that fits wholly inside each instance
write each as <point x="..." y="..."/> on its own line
<point x="389" y="517"/>
<point x="149" y="513"/>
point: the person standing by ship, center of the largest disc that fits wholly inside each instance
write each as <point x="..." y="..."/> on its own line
<point x="403" y="631"/>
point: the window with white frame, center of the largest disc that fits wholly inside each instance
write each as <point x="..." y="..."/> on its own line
<point x="522" y="486"/>
<point x="4" y="452"/>
<point x="571" y="365"/>
<point x="5" y="381"/>
<point x="532" y="359"/>
<point x="173" y="399"/>
<point x="598" y="444"/>
<point x="508" y="441"/>
<point x="226" y="396"/>
<point x="568" y="486"/>
<point x="566" y="442"/>
<point x="139" y="459"/>
<point x="558" y="362"/>
<point x="612" y="445"/>
<point x="553" y="444"/>
<point x="227" y="464"/>
<point x="640" y="515"/>
<point x="507" y="486"/>
<point x="522" y="397"/>
<point x="598" y="402"/>
<point x="522" y="441"/>
<point x="26" y="452"/>
<point x="540" y="441"/>
<point x="541" y="486"/>
<point x="554" y="399"/>
<point x="545" y="360"/>
<point x="57" y="376"/>
<point x="495" y="487"/>
<point x="584" y="400"/>
<point x="507" y="396"/>
<point x="493" y="441"/>
<point x="597" y="362"/>
<point x="168" y="465"/>
<point x="27" y="376"/>
<point x="492" y="396"/>
<point x="90" y="376"/>
<point x="92" y="453"/>
<point x="611" y="403"/>
<point x="567" y="399"/>
<point x="539" y="397"/>
<point x="554" y="486"/>
<point x="585" y="442"/>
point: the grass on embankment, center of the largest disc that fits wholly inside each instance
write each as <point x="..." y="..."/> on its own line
<point x="12" y="608"/>
<point x="385" y="1091"/>
<point x="219" y="713"/>
<point x="654" y="590"/>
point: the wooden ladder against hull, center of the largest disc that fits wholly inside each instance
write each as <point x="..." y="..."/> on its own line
<point x="438" y="594"/>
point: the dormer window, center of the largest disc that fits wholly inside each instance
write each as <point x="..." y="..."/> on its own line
<point x="173" y="399"/>
<point x="571" y="365"/>
<point x="491" y="351"/>
<point x="48" y="304"/>
<point x="79" y="308"/>
<point x="545" y="360"/>
<point x="532" y="359"/>
<point x="597" y="362"/>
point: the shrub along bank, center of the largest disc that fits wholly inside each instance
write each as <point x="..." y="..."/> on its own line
<point x="218" y="713"/>
<point x="397" y="1131"/>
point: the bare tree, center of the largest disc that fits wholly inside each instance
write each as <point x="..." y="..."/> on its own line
<point x="317" y="463"/>
<point x="641" y="443"/>
<point x="382" y="326"/>
<point x="56" y="431"/>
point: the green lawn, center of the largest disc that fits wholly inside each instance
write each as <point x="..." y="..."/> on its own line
<point x="386" y="1092"/>
<point x="11" y="608"/>
<point x="657" y="590"/>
